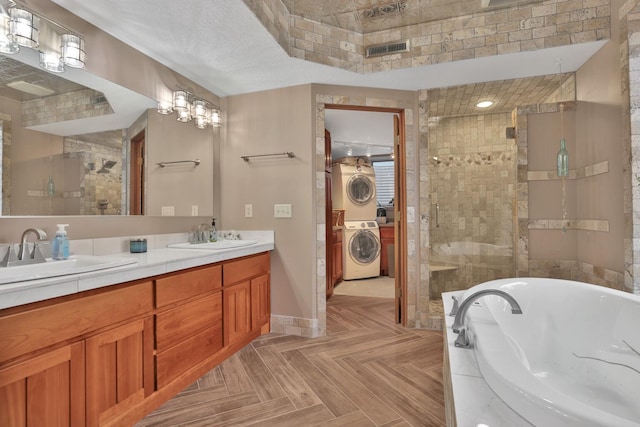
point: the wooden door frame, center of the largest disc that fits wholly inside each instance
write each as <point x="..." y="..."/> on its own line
<point x="136" y="174"/>
<point x="400" y="206"/>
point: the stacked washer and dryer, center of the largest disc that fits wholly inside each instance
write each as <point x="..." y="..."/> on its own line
<point x="354" y="191"/>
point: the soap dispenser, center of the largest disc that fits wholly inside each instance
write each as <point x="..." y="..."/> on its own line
<point x="213" y="233"/>
<point x="60" y="247"/>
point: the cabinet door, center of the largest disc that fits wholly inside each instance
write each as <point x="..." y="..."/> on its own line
<point x="46" y="390"/>
<point x="120" y="370"/>
<point x="260" y="302"/>
<point x="337" y="261"/>
<point x="236" y="309"/>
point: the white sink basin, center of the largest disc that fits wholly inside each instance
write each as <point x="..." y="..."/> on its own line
<point x="215" y="246"/>
<point x="74" y="265"/>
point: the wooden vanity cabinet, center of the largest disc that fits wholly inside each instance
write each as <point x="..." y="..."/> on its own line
<point x="188" y="320"/>
<point x="245" y="297"/>
<point x="110" y="356"/>
<point x="76" y="360"/>
<point x="46" y="390"/>
<point x="120" y="370"/>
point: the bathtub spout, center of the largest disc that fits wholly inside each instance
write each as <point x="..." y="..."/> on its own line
<point x="458" y="323"/>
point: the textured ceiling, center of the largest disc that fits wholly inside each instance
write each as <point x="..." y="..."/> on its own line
<point x="366" y="16"/>
<point x="222" y="46"/>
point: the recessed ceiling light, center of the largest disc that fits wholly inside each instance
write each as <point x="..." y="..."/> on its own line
<point x="484" y="104"/>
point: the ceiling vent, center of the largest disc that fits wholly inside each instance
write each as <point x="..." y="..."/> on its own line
<point x="387" y="49"/>
<point x="30" y="88"/>
<point x="99" y="99"/>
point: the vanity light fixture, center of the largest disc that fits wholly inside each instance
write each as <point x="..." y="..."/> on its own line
<point x="51" y="61"/>
<point x="484" y="104"/>
<point x="188" y="107"/>
<point x="73" y="53"/>
<point x="181" y="106"/>
<point x="215" y="120"/>
<point x="200" y="114"/>
<point x="165" y="107"/>
<point x="23" y="27"/>
<point x="7" y="44"/>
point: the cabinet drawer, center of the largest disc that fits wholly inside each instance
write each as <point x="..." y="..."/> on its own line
<point x="237" y="271"/>
<point x="175" y="361"/>
<point x="30" y="330"/>
<point x="185" y="285"/>
<point x="194" y="316"/>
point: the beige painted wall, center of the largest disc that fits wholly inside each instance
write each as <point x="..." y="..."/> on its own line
<point x="593" y="134"/>
<point x="273" y="122"/>
<point x="182" y="185"/>
<point x="545" y="197"/>
<point x="600" y="138"/>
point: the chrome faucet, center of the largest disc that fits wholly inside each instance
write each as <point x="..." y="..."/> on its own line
<point x="458" y="323"/>
<point x="40" y="234"/>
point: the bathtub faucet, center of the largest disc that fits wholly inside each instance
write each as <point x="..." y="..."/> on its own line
<point x="458" y="323"/>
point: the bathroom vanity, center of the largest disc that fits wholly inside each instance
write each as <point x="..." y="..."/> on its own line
<point x="110" y="355"/>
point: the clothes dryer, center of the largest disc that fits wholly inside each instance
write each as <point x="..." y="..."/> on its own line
<point x="354" y="191"/>
<point x="361" y="250"/>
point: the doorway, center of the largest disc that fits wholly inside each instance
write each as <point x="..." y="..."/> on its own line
<point x="363" y="144"/>
<point x="136" y="184"/>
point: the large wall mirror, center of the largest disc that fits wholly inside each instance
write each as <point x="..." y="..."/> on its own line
<point x="66" y="144"/>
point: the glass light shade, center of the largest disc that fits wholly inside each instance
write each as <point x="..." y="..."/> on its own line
<point x="73" y="53"/>
<point x="183" y="115"/>
<point x="181" y="105"/>
<point x="7" y="45"/>
<point x="51" y="61"/>
<point x="200" y="114"/>
<point x="23" y="27"/>
<point x="165" y="107"/>
<point x="201" y="122"/>
<point x="199" y="108"/>
<point x="215" y="118"/>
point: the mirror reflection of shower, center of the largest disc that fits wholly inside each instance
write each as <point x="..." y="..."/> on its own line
<point x="107" y="165"/>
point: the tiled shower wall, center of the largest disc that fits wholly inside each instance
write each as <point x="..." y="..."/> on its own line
<point x="472" y="181"/>
<point x="95" y="187"/>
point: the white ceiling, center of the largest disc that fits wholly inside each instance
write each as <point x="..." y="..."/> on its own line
<point x="223" y="47"/>
<point x="364" y="132"/>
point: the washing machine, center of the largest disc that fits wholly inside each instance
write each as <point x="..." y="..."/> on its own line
<point x="353" y="190"/>
<point x="361" y="250"/>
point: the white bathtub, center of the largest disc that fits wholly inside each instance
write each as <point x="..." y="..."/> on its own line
<point x="571" y="359"/>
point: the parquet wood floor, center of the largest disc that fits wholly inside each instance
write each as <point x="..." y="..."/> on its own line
<point x="366" y="372"/>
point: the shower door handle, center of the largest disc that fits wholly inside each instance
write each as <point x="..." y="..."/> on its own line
<point x="437" y="215"/>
